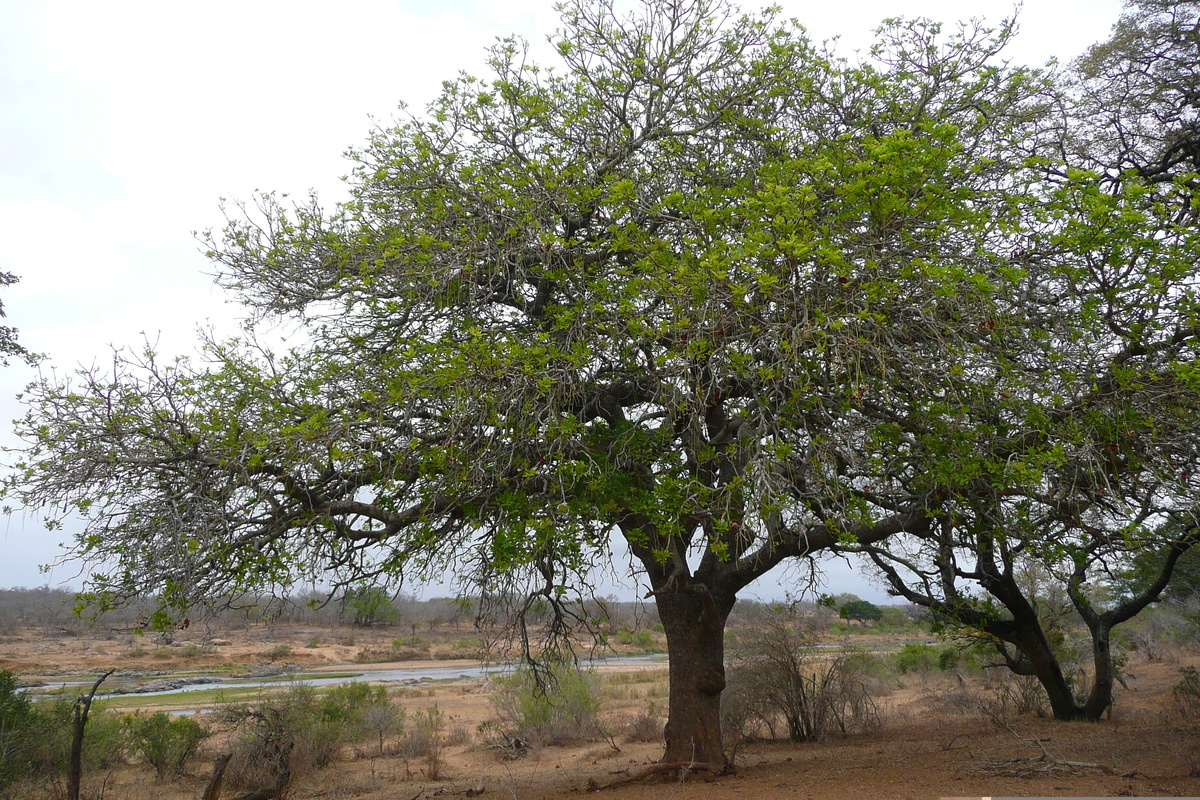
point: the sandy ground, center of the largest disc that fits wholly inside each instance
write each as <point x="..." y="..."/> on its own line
<point x="924" y="748"/>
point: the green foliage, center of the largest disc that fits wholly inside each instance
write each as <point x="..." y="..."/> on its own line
<point x="17" y="726"/>
<point x="35" y="737"/>
<point x="562" y="709"/>
<point x="168" y="743"/>
<point x="642" y="640"/>
<point x="301" y="730"/>
<point x="1146" y="565"/>
<point x="948" y="659"/>
<point x="917" y="658"/>
<point x="861" y="610"/>
<point x="371" y="605"/>
<point x="894" y="618"/>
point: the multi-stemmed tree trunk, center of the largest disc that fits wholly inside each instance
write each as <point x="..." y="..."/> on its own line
<point x="1020" y="633"/>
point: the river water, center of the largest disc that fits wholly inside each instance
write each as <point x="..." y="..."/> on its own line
<point x="408" y="675"/>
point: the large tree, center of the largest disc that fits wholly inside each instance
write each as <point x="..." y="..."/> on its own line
<point x="1138" y="93"/>
<point x="703" y="287"/>
<point x="1084" y="432"/>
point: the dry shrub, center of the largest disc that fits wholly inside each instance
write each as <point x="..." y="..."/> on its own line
<point x="1186" y="694"/>
<point x="958" y="697"/>
<point x="1010" y="694"/>
<point x="779" y="681"/>
<point x="643" y="727"/>
<point x="457" y="734"/>
<point x="425" y="738"/>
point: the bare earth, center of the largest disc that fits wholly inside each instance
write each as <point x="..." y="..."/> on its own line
<point x="924" y="749"/>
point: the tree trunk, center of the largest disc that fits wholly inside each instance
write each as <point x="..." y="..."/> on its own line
<point x="79" y="718"/>
<point x="1049" y="674"/>
<point x="1100" y="697"/>
<point x="694" y="622"/>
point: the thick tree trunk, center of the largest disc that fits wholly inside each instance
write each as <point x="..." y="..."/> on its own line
<point x="1050" y="675"/>
<point x="1063" y="702"/>
<point x="1100" y="697"/>
<point x="695" y="628"/>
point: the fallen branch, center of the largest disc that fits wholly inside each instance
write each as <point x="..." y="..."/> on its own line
<point x="683" y="767"/>
<point x="1047" y="761"/>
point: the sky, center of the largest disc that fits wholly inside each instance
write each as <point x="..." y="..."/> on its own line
<point x="124" y="124"/>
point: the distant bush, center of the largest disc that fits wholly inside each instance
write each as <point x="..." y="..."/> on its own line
<point x="279" y="651"/>
<point x="643" y="640"/>
<point x="861" y="610"/>
<point x="167" y="744"/>
<point x="895" y="618"/>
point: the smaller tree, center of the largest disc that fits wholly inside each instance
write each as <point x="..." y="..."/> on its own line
<point x="371" y="605"/>
<point x="166" y="743"/>
<point x="861" y="610"/>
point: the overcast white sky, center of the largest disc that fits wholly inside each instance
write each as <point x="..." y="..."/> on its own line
<point x="123" y="123"/>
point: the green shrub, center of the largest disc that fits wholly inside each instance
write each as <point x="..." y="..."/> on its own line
<point x="166" y="743"/>
<point x="45" y="750"/>
<point x="16" y="727"/>
<point x="562" y="709"/>
<point x="300" y="730"/>
<point x="948" y="659"/>
<point x="279" y="651"/>
<point x="190" y="651"/>
<point x="643" y="640"/>
<point x="916" y="658"/>
<point x="349" y="707"/>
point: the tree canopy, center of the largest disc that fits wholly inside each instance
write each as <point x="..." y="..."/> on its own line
<point x="9" y="346"/>
<point x="1107" y="470"/>
<point x="703" y="286"/>
<point x="861" y="610"/>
